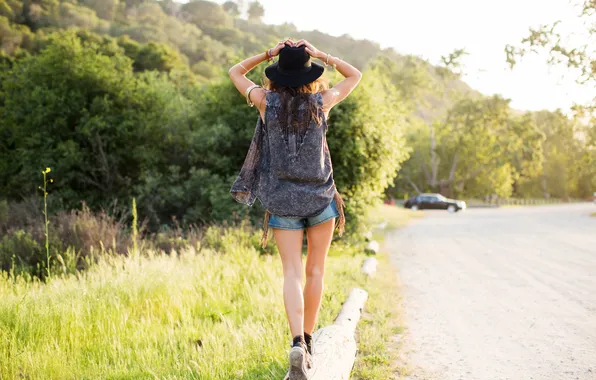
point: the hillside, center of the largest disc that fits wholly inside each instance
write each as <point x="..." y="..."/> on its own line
<point x="200" y="36"/>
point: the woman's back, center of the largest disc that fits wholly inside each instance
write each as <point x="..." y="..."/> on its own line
<point x="297" y="174"/>
<point x="295" y="125"/>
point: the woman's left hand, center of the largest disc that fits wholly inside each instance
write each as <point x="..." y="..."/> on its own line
<point x="280" y="45"/>
<point x="310" y="49"/>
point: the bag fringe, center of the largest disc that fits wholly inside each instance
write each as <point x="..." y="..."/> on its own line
<point x="341" y="222"/>
<point x="265" y="237"/>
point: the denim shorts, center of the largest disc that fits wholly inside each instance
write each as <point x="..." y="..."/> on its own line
<point x="301" y="223"/>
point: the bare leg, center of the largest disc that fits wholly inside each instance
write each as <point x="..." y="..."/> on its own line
<point x="319" y="239"/>
<point x="289" y="244"/>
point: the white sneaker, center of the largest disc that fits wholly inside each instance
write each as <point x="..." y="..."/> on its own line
<point x="298" y="363"/>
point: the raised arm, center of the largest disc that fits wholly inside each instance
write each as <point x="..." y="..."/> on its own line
<point x="342" y="89"/>
<point x="238" y="72"/>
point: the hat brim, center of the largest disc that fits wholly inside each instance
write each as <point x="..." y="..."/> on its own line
<point x="294" y="79"/>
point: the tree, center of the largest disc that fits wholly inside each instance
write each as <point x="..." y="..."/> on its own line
<point x="568" y="169"/>
<point x="71" y="15"/>
<point x="134" y="3"/>
<point x="206" y="15"/>
<point x="130" y="46"/>
<point x="565" y="49"/>
<point x="421" y="86"/>
<point x="155" y="56"/>
<point x="481" y="138"/>
<point x="13" y="36"/>
<point x="255" y="12"/>
<point x="171" y="7"/>
<point x="479" y="149"/>
<point x="366" y="138"/>
<point x="80" y="112"/>
<point x="40" y="13"/>
<point x="11" y="9"/>
<point x="106" y="9"/>
<point x="232" y="8"/>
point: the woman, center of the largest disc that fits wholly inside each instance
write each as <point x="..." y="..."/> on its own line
<point x="288" y="167"/>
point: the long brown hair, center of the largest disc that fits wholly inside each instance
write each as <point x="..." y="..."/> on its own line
<point x="293" y="97"/>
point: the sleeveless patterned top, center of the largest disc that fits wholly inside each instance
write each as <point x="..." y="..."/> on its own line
<point x="287" y="168"/>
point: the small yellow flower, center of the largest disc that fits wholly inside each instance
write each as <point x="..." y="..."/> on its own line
<point x="47" y="170"/>
<point x="51" y="179"/>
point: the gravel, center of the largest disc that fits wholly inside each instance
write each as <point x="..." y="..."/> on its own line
<point x="506" y="293"/>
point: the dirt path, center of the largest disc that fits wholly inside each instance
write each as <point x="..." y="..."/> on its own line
<point x="504" y="293"/>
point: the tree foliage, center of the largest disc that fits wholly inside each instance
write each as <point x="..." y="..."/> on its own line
<point x="206" y="14"/>
<point x="479" y="149"/>
<point x="87" y="118"/>
<point x="231" y="8"/>
<point x="570" y="146"/>
<point x="255" y="11"/>
<point x="366" y="136"/>
<point x="11" y="9"/>
<point x="106" y="9"/>
<point x="155" y="56"/>
<point x="571" y="49"/>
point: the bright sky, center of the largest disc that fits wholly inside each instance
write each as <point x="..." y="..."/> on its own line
<point x="431" y="28"/>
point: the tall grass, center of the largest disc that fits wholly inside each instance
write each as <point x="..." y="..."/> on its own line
<point x="212" y="310"/>
<point x="198" y="314"/>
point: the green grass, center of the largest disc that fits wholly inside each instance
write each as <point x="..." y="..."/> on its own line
<point x="380" y="353"/>
<point x="380" y="322"/>
<point x="395" y="216"/>
<point x="201" y="314"/>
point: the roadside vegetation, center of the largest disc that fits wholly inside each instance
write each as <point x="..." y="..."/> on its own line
<point x="210" y="308"/>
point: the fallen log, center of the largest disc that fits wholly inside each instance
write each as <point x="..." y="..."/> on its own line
<point x="334" y="346"/>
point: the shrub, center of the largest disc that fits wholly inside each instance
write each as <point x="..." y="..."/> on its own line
<point x="367" y="145"/>
<point x="22" y="251"/>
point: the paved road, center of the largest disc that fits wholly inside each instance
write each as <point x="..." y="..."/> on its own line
<point x="504" y="293"/>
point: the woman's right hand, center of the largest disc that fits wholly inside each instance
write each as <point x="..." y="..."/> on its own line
<point x="310" y="49"/>
<point x="280" y="45"/>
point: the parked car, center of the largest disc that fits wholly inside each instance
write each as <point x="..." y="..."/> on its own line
<point x="434" y="202"/>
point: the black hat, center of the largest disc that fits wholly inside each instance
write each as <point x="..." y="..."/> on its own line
<point x="294" y="67"/>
